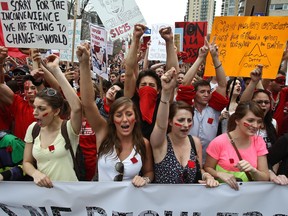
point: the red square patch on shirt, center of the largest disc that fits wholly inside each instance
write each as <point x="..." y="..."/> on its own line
<point x="210" y="120"/>
<point x="231" y="160"/>
<point x="134" y="160"/>
<point x="4" y="6"/>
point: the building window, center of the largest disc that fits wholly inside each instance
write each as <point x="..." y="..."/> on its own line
<point x="285" y="7"/>
<point x="278" y="7"/>
<point x="272" y="7"/>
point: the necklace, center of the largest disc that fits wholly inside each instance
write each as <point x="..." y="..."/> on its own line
<point x="275" y="102"/>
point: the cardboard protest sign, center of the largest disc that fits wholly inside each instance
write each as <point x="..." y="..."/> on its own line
<point x="245" y="42"/>
<point x="118" y="16"/>
<point x="34" y="24"/>
<point x="193" y="38"/>
<point x="66" y="55"/>
<point x="99" y="50"/>
<point x="157" y="49"/>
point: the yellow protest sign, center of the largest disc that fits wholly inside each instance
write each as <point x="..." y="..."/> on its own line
<point x="245" y="42"/>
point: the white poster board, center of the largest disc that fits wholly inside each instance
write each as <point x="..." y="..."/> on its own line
<point x="99" y="50"/>
<point x="118" y="16"/>
<point x="34" y="24"/>
<point x="66" y="55"/>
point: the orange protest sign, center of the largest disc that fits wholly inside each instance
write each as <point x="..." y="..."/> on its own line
<point x="245" y="42"/>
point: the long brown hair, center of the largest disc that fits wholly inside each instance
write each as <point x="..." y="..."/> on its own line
<point x="111" y="140"/>
<point x="241" y="110"/>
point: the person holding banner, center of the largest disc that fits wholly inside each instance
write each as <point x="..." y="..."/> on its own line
<point x="177" y="156"/>
<point x="208" y="106"/>
<point x="53" y="160"/>
<point x="239" y="154"/>
<point x="144" y="88"/>
<point x="123" y="152"/>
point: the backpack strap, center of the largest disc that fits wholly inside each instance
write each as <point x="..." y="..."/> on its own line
<point x="68" y="145"/>
<point x="192" y="144"/>
<point x="35" y="131"/>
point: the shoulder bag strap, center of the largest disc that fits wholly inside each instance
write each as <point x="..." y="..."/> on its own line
<point x="192" y="144"/>
<point x="68" y="145"/>
<point x="239" y="156"/>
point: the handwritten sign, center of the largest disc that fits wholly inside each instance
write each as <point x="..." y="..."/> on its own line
<point x="66" y="55"/>
<point x="245" y="42"/>
<point x="157" y="49"/>
<point x="118" y="16"/>
<point x="193" y="38"/>
<point x="34" y="24"/>
<point x="99" y="50"/>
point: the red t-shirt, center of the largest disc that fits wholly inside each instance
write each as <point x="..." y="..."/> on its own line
<point x="5" y="118"/>
<point x="23" y="115"/>
<point x="279" y="112"/>
<point x="87" y="141"/>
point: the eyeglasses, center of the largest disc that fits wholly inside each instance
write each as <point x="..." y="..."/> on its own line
<point x="50" y="92"/>
<point x="280" y="80"/>
<point x="263" y="101"/>
<point x="119" y="167"/>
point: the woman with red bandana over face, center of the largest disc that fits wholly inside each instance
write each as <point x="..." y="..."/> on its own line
<point x="53" y="160"/>
<point x="144" y="88"/>
<point x="222" y="160"/>
<point x="177" y="157"/>
<point x="122" y="151"/>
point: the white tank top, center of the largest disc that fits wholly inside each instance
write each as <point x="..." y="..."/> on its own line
<point x="107" y="171"/>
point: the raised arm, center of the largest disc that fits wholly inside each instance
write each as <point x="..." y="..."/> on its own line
<point x="7" y="95"/>
<point x="158" y="136"/>
<point x="203" y="51"/>
<point x="220" y="73"/>
<point x="70" y="95"/>
<point x="132" y="61"/>
<point x="97" y="122"/>
<point x="171" y="58"/>
<point x="256" y="76"/>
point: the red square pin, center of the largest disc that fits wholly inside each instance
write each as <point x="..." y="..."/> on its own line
<point x="210" y="120"/>
<point x="134" y="160"/>
<point x="4" y="6"/>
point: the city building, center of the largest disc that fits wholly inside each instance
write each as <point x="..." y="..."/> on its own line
<point x="201" y="10"/>
<point x="229" y="7"/>
<point x="278" y="8"/>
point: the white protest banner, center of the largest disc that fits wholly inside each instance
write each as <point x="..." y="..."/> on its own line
<point x="34" y="24"/>
<point x="99" y="50"/>
<point x="123" y="199"/>
<point x="66" y="55"/>
<point x="118" y="16"/>
<point x="157" y="49"/>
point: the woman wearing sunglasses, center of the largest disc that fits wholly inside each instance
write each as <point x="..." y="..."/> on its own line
<point x="53" y="160"/>
<point x="177" y="156"/>
<point x="123" y="153"/>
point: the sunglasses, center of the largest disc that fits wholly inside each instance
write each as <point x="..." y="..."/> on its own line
<point x="262" y="101"/>
<point x="119" y="167"/>
<point x="50" y="92"/>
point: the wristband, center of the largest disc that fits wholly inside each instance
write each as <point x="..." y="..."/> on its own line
<point x="147" y="179"/>
<point x="218" y="66"/>
<point x="164" y="102"/>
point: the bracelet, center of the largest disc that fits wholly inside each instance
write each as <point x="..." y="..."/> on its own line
<point x="164" y="102"/>
<point x="147" y="179"/>
<point x="218" y="66"/>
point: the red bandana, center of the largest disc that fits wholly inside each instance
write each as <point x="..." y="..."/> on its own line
<point x="186" y="93"/>
<point x="106" y="106"/>
<point x="147" y="102"/>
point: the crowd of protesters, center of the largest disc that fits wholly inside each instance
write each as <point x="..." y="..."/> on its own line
<point x="151" y="122"/>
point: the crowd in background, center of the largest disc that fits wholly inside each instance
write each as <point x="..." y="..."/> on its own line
<point x="151" y="122"/>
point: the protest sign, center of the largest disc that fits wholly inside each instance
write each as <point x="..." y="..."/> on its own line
<point x="245" y="42"/>
<point x="123" y="199"/>
<point x="118" y="16"/>
<point x="66" y="55"/>
<point x="193" y="38"/>
<point x="34" y="24"/>
<point x="99" y="50"/>
<point x="157" y="49"/>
